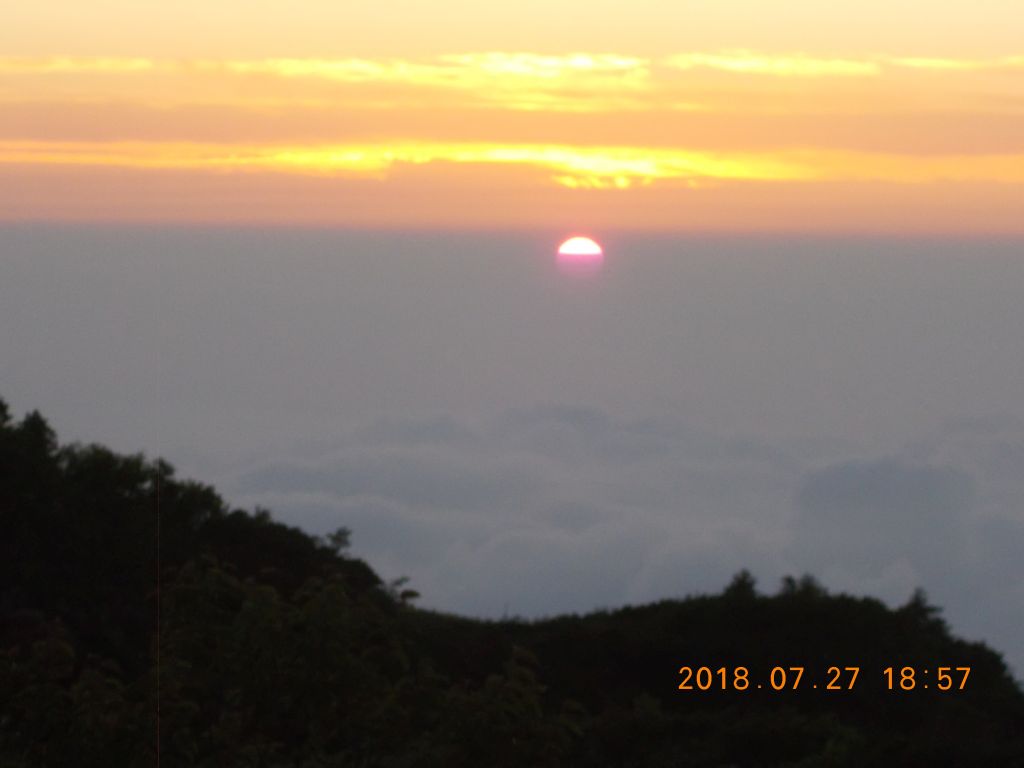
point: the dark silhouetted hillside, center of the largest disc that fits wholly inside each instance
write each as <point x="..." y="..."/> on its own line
<point x="279" y="649"/>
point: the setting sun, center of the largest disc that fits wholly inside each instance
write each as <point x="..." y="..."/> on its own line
<point x="580" y="246"/>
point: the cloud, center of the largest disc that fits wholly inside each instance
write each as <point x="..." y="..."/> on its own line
<point x="569" y="123"/>
<point x="958" y="65"/>
<point x="944" y="515"/>
<point x="867" y="517"/>
<point x="541" y="510"/>
<point x="510" y="80"/>
<point x="565" y="165"/>
<point x="571" y="166"/>
<point x="409" y="476"/>
<point x="792" y="65"/>
<point x="565" y="509"/>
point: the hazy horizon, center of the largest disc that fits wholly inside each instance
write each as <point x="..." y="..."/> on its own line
<point x="519" y="440"/>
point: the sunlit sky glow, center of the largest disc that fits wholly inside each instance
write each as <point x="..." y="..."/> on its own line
<point x="144" y="121"/>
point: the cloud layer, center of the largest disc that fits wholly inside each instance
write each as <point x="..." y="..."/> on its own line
<point x="727" y="134"/>
<point x="562" y="509"/>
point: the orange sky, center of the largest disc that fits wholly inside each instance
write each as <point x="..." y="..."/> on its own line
<point x="855" y="118"/>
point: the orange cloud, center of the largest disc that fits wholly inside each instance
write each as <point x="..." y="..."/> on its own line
<point x="793" y="65"/>
<point x="576" y="126"/>
<point x="576" y="82"/>
<point x="573" y="167"/>
<point x="959" y="65"/>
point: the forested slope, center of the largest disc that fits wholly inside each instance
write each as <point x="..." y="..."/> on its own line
<point x="260" y="645"/>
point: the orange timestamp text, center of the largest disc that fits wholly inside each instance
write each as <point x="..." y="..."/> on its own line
<point x="833" y="678"/>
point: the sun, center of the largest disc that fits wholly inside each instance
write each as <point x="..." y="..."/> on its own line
<point x="581" y="247"/>
<point x="580" y="256"/>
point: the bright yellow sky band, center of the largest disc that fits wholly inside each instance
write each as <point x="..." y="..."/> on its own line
<point x="716" y="131"/>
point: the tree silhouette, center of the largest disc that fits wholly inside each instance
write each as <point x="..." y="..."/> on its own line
<point x="280" y="649"/>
